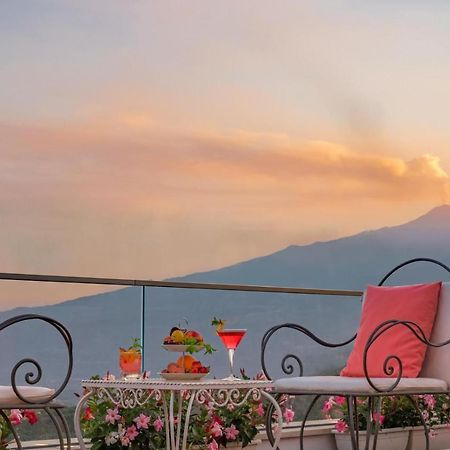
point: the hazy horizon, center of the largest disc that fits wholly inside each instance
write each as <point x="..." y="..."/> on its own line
<point x="54" y="293"/>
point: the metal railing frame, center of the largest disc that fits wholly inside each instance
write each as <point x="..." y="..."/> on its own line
<point x="143" y="284"/>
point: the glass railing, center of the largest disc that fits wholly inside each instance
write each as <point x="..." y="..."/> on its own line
<point x="109" y="312"/>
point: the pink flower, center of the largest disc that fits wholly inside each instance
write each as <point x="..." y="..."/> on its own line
<point x="288" y="415"/>
<point x="378" y="418"/>
<point x="210" y="407"/>
<point x="425" y="415"/>
<point x="260" y="409"/>
<point x="88" y="414"/>
<point x="260" y="376"/>
<point x="213" y="445"/>
<point x="142" y="421"/>
<point x="429" y="400"/>
<point x="124" y="439"/>
<point x="339" y="400"/>
<point x="327" y="405"/>
<point x="112" y="415"/>
<point x="340" y="426"/>
<point x="231" y="432"/>
<point x="132" y="433"/>
<point x="15" y="417"/>
<point x="230" y="407"/>
<point x="158" y="424"/>
<point x="31" y="416"/>
<point x="217" y="419"/>
<point x="216" y="430"/>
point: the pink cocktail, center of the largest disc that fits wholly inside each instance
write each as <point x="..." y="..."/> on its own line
<point x="231" y="339"/>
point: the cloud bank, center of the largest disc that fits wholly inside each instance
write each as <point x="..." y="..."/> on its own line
<point x="155" y="202"/>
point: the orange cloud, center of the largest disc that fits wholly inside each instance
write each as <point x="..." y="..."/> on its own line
<point x="158" y="203"/>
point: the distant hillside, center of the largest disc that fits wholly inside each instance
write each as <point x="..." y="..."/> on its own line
<point x="101" y="323"/>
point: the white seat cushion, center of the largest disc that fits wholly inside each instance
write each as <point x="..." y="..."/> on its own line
<point x="351" y="385"/>
<point x="37" y="394"/>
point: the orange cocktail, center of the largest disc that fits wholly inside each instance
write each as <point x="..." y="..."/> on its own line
<point x="130" y="363"/>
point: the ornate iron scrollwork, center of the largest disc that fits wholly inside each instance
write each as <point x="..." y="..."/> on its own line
<point x="412" y="261"/>
<point x="33" y="377"/>
<point x="394" y="360"/>
<point x="388" y="367"/>
<point x="288" y="368"/>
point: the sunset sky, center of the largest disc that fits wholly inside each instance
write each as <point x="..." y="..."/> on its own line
<point x="154" y="138"/>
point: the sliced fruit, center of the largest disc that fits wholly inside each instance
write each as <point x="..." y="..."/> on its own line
<point x="178" y="336"/>
<point x="218" y="323"/>
<point x="129" y="356"/>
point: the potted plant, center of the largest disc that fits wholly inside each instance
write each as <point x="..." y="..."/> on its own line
<point x="436" y="412"/>
<point x="396" y="418"/>
<point x="15" y="418"/>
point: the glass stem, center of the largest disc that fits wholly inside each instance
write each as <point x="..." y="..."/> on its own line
<point x="230" y="357"/>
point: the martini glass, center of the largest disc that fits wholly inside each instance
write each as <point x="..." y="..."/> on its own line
<point x="231" y="339"/>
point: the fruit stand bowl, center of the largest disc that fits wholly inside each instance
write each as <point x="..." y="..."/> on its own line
<point x="182" y="376"/>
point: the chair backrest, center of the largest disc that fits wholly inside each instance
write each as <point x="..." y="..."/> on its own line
<point x="437" y="359"/>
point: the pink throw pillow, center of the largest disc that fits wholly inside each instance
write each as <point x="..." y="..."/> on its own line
<point x="417" y="303"/>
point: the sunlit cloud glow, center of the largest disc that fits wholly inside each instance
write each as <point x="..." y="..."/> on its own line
<point x="96" y="203"/>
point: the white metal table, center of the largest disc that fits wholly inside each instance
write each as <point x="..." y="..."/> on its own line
<point x="133" y="393"/>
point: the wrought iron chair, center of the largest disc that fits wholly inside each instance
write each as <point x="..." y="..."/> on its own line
<point x="31" y="396"/>
<point x="434" y="377"/>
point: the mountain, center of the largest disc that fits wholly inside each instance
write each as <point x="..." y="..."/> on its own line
<point x="101" y="323"/>
<point x="346" y="263"/>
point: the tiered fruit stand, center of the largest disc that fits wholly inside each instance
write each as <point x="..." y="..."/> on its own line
<point x="181" y="376"/>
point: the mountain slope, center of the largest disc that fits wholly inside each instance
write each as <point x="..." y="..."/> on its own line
<point x="349" y="262"/>
<point x="100" y="323"/>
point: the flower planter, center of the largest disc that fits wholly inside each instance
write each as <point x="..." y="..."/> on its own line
<point x="439" y="441"/>
<point x="232" y="445"/>
<point x="388" y="439"/>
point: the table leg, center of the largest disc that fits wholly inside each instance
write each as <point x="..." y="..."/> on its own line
<point x="279" y="418"/>
<point x="76" y="419"/>
<point x="186" y="420"/>
<point x="179" y="417"/>
<point x="166" y="421"/>
<point x="172" y="421"/>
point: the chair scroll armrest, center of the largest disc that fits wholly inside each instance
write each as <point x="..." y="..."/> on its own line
<point x="33" y="377"/>
<point x="391" y="360"/>
<point x="287" y="367"/>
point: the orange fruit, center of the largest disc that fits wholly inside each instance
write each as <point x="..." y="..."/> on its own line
<point x="186" y="361"/>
